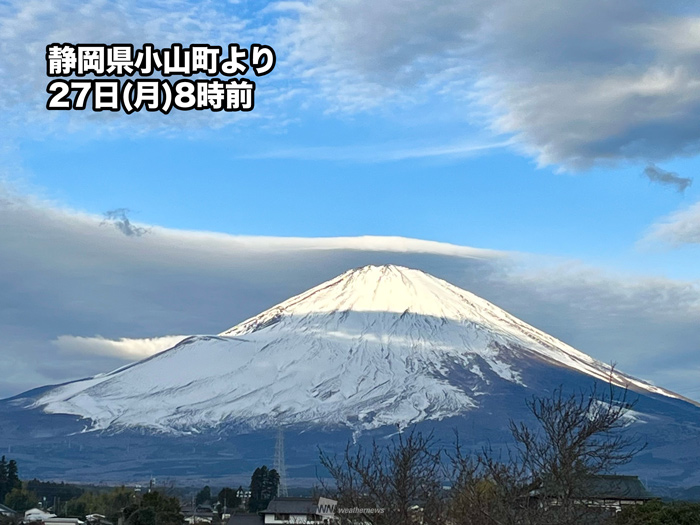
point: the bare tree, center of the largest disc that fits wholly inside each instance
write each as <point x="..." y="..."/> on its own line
<point x="403" y="478"/>
<point x="550" y="473"/>
<point x="545" y="477"/>
<point x="488" y="489"/>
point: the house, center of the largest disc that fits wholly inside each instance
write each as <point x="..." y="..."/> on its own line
<point x="293" y="510"/>
<point x="615" y="492"/>
<point x="63" y="521"/>
<point x="197" y="514"/>
<point x="244" y="495"/>
<point x="37" y="515"/>
<point x="197" y="519"/>
<point x="284" y="510"/>
<point x="606" y="492"/>
<point x="97" y="519"/>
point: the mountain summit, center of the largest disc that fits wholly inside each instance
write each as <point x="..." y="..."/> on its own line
<point x="375" y="346"/>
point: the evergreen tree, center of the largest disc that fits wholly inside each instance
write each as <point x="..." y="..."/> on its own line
<point x="50" y="491"/>
<point x="21" y="500"/>
<point x="3" y="479"/>
<point x="76" y="508"/>
<point x="256" y="489"/>
<point x="228" y="498"/>
<point x="161" y="503"/>
<point x="263" y="488"/>
<point x="112" y="503"/>
<point x="13" y="476"/>
<point x="272" y="483"/>
<point x="154" y="509"/>
<point x="203" y="496"/>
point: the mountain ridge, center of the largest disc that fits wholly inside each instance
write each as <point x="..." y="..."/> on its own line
<point x="385" y="340"/>
<point x="350" y="359"/>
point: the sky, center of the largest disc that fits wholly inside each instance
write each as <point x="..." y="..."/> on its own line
<point x="542" y="155"/>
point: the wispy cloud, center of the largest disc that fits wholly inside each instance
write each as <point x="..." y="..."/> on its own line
<point x="668" y="178"/>
<point x="124" y="348"/>
<point x="382" y="152"/>
<point x="679" y="228"/>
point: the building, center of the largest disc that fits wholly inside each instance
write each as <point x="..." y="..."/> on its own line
<point x="293" y="510"/>
<point x="37" y="515"/>
<point x="609" y="493"/>
<point x="63" y="521"/>
<point x="284" y="511"/>
<point x="616" y="492"/>
<point x="97" y="519"/>
<point x="198" y="513"/>
<point x="244" y="496"/>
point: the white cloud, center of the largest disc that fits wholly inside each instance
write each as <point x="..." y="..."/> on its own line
<point x="575" y="83"/>
<point x="381" y="152"/>
<point x="681" y="227"/>
<point x="362" y="53"/>
<point x="124" y="348"/>
<point x="28" y="26"/>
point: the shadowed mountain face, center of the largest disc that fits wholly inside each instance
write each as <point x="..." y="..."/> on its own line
<point x="357" y="356"/>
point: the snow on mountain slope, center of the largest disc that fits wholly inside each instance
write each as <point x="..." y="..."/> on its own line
<point x="375" y="346"/>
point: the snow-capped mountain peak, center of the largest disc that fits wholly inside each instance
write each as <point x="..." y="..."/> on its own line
<point x="375" y="346"/>
<point x="388" y="288"/>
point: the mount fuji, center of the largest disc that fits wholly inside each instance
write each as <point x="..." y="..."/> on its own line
<point x="353" y="358"/>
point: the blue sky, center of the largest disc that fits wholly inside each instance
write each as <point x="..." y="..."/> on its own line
<point x="368" y="129"/>
<point x="517" y="127"/>
<point x="231" y="181"/>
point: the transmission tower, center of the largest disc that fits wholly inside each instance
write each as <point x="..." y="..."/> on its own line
<point x="279" y="464"/>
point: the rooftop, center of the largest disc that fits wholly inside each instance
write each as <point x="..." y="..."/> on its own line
<point x="617" y="487"/>
<point x="292" y="506"/>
